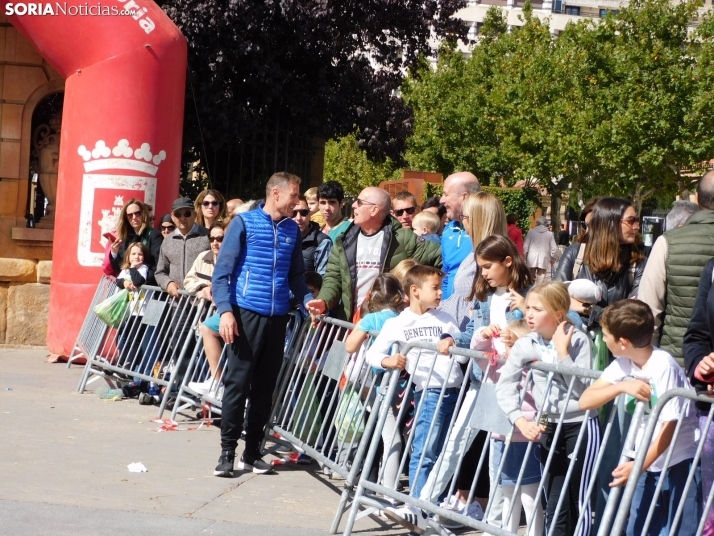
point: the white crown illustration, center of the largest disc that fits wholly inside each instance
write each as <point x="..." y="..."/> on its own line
<point x="121" y="157"/>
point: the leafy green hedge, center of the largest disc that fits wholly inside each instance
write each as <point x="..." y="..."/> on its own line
<point x="522" y="202"/>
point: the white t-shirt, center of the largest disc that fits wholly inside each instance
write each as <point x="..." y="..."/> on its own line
<point x="662" y="373"/>
<point x="429" y="327"/>
<point x="499" y="304"/>
<point x="367" y="264"/>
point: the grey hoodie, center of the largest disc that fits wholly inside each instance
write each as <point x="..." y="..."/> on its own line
<point x="526" y="351"/>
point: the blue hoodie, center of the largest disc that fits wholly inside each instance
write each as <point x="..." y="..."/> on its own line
<point x="455" y="247"/>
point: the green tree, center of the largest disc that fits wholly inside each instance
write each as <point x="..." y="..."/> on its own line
<point x="349" y="165"/>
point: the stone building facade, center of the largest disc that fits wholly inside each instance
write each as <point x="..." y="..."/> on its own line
<point x="26" y="80"/>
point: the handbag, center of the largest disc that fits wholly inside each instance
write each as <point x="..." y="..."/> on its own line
<point x="113" y="310"/>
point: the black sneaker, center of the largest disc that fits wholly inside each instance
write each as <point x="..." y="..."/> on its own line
<point x="251" y="461"/>
<point x="225" y="464"/>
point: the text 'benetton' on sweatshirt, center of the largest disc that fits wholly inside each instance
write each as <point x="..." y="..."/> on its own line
<point x="411" y="327"/>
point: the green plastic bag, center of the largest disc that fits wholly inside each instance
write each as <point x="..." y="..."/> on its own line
<point x="112" y="310"/>
<point x="350" y="417"/>
<point x="601" y="359"/>
<point x="308" y="420"/>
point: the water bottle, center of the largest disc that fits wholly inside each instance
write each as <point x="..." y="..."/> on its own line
<point x="154" y="389"/>
<point x="106" y="393"/>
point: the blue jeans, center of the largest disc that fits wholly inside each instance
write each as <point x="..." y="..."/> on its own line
<point x="441" y="415"/>
<point x="667" y="502"/>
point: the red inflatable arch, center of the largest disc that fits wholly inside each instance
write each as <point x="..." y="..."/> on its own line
<point x="121" y="130"/>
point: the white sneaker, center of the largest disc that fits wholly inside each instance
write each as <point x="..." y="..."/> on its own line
<point x="201" y="388"/>
<point x="410" y="517"/>
<point x="454" y="504"/>
<point x="216" y="391"/>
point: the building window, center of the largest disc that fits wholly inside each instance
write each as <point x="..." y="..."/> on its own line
<point x="557" y="6"/>
<point x="572" y="10"/>
<point x="604" y="12"/>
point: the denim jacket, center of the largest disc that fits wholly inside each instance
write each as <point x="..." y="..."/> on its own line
<point x="481" y="317"/>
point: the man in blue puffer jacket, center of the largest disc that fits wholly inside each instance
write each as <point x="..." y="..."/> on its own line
<point x="260" y="263"/>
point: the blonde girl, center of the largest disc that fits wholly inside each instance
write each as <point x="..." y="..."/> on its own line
<point x="553" y="339"/>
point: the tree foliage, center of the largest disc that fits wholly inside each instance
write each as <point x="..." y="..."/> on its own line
<point x="325" y="68"/>
<point x="619" y="105"/>
<point x="347" y="164"/>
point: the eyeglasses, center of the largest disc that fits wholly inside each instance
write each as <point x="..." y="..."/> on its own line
<point x="218" y="239"/>
<point x="360" y="202"/>
<point x="302" y="211"/>
<point x="211" y="204"/>
<point x="631" y="222"/>
<point x="398" y="213"/>
<point x="136" y="214"/>
<point x="168" y="227"/>
<point x="186" y="214"/>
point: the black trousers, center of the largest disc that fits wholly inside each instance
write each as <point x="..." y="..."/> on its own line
<point x="252" y="368"/>
<point x="576" y="491"/>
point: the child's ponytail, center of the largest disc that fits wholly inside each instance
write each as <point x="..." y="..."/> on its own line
<point x="386" y="293"/>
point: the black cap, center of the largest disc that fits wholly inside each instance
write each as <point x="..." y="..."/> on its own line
<point x="182" y="202"/>
<point x="166" y="218"/>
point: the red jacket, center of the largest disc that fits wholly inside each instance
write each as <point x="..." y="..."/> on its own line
<point x="516" y="235"/>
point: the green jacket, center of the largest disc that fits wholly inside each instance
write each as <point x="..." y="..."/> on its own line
<point x="689" y="248"/>
<point x="338" y="283"/>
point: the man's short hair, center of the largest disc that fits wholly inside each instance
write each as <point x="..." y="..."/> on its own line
<point x="331" y="190"/>
<point x="313" y="279"/>
<point x="680" y="213"/>
<point x="705" y="191"/>
<point x="280" y="180"/>
<point x="471" y="187"/>
<point x="629" y="319"/>
<point x="542" y="220"/>
<point x="435" y="202"/>
<point x="427" y="219"/>
<point x="405" y="196"/>
<point x="512" y="219"/>
<point x="418" y="275"/>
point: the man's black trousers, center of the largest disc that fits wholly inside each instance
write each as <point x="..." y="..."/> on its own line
<point x="252" y="368"/>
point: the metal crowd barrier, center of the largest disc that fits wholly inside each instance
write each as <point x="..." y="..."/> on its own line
<point x="473" y="413"/>
<point x="619" y="517"/>
<point x="154" y="337"/>
<point x="327" y="403"/>
<point x="93" y="329"/>
<point x="198" y="371"/>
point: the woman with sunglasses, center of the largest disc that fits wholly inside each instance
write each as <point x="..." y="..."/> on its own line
<point x="210" y="208"/>
<point x="134" y="226"/>
<point x="167" y="225"/>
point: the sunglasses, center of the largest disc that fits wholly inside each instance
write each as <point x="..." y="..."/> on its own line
<point x="218" y="239"/>
<point x="302" y="211"/>
<point x="360" y="202"/>
<point x="168" y="227"/>
<point x="186" y="214"/>
<point x="130" y="215"/>
<point x="634" y="221"/>
<point x="398" y="213"/>
<point x="211" y="203"/>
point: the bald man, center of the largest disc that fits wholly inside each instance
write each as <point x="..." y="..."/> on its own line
<point x="455" y="243"/>
<point x="233" y="204"/>
<point x="374" y="241"/>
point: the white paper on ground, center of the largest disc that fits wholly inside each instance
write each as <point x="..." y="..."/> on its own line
<point x="136" y="467"/>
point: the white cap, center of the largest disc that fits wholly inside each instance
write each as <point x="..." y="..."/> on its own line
<point x="584" y="290"/>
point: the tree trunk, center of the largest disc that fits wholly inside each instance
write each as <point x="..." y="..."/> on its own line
<point x="555" y="200"/>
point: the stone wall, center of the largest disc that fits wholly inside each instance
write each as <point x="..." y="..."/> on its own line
<point x="24" y="301"/>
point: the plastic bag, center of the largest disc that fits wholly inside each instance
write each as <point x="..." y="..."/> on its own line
<point x="308" y="420"/>
<point x="601" y="359"/>
<point x="113" y="310"/>
<point x="350" y="417"/>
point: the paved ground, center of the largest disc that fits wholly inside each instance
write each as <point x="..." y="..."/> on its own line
<point x="63" y="459"/>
